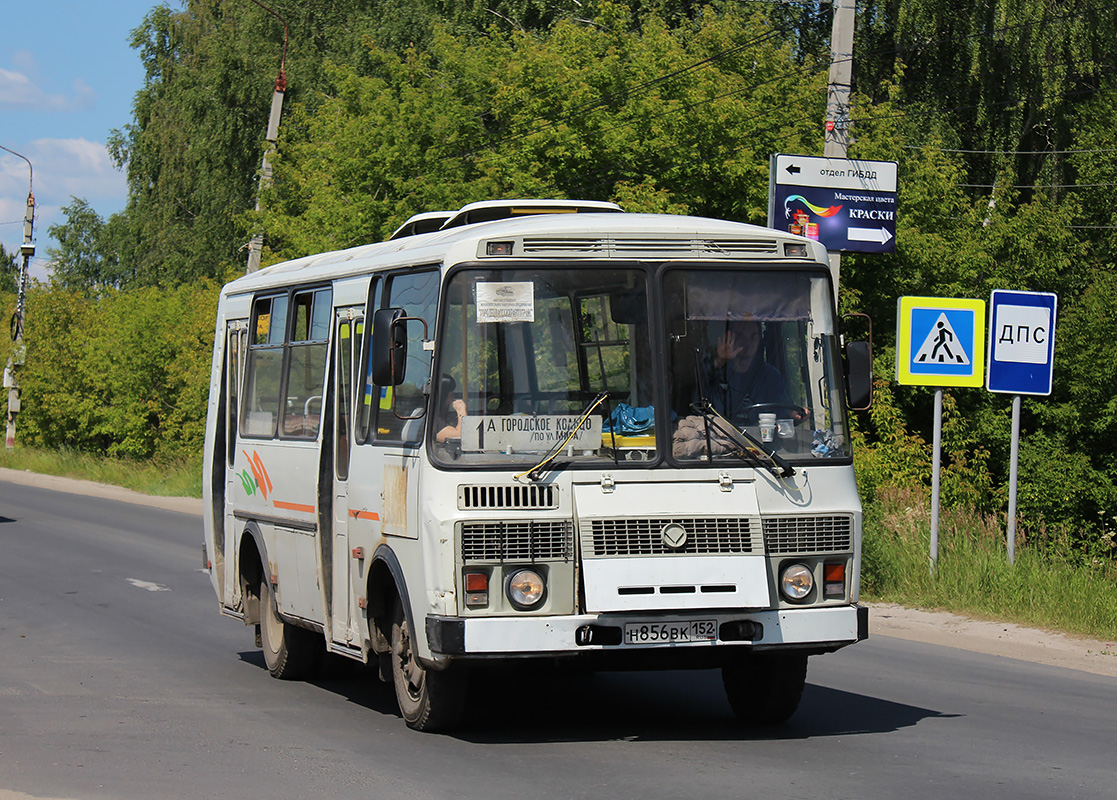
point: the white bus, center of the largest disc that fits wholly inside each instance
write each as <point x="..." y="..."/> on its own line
<point x="606" y="439"/>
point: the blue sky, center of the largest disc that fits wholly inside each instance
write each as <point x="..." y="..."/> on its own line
<point x="67" y="79"/>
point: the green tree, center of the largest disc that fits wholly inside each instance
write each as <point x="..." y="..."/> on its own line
<point x="1008" y="75"/>
<point x="9" y="271"/>
<point x="85" y="259"/>
<point x="588" y="111"/>
<point x="125" y="374"/>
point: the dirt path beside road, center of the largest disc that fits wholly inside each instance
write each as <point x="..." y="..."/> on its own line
<point x="994" y="638"/>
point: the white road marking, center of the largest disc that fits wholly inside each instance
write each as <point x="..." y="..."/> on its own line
<point x="151" y="587"/>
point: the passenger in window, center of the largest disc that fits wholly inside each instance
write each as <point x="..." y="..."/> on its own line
<point x="739" y="382"/>
<point x="452" y="416"/>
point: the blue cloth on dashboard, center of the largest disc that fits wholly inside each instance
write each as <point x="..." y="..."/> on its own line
<point x="627" y="420"/>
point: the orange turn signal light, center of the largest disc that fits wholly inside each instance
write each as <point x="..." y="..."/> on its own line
<point x="476" y="589"/>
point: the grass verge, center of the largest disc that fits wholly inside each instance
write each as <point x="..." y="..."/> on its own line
<point x="1052" y="588"/>
<point x="180" y="478"/>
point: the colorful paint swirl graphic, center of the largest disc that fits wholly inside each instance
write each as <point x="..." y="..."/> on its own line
<point x="822" y="212"/>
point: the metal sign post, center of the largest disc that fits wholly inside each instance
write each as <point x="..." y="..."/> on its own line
<point x="1021" y="361"/>
<point x="939" y="342"/>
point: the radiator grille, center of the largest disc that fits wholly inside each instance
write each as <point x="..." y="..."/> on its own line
<point x="699" y="248"/>
<point x="808" y="534"/>
<point x="537" y="245"/>
<point x="696" y="247"/>
<point x="705" y="536"/>
<point x="529" y="540"/>
<point x="517" y="497"/>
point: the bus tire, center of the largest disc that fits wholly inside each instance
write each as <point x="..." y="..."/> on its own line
<point x="289" y="651"/>
<point x="765" y="689"/>
<point x="429" y="700"/>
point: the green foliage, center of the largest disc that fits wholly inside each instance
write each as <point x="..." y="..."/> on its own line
<point x="162" y="477"/>
<point x="667" y="117"/>
<point x="1007" y="74"/>
<point x="125" y="375"/>
<point x="9" y="271"/>
<point x="85" y="259"/>
<point x="1052" y="587"/>
<point x="886" y="453"/>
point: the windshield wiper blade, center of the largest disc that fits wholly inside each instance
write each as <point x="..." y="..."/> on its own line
<point x="539" y="470"/>
<point x="744" y="440"/>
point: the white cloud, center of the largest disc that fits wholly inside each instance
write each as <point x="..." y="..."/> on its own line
<point x="19" y="92"/>
<point x="64" y="168"/>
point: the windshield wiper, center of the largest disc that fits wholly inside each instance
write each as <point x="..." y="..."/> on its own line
<point x="539" y="470"/>
<point x="744" y="440"/>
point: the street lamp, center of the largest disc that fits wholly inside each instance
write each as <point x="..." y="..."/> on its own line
<point x="27" y="249"/>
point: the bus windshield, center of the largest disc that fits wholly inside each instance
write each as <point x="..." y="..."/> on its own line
<point x="565" y="362"/>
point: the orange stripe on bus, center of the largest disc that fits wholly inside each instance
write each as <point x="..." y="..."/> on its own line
<point x="364" y="514"/>
<point x="293" y="506"/>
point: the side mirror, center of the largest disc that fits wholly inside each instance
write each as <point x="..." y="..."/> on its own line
<point x="859" y="367"/>
<point x="859" y="375"/>
<point x="389" y="346"/>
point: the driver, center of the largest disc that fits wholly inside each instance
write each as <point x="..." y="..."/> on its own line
<point x="739" y="378"/>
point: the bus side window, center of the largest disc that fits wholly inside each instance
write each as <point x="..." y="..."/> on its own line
<point x="366" y="391"/>
<point x="417" y="294"/>
<point x="348" y="338"/>
<point x="306" y="366"/>
<point x="232" y="387"/>
<point x="264" y="367"/>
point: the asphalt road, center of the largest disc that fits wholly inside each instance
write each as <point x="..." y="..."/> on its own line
<point x="118" y="679"/>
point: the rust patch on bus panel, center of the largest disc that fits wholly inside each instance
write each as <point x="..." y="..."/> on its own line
<point x="394" y="495"/>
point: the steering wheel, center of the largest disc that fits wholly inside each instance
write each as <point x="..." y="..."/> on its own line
<point x="798" y="413"/>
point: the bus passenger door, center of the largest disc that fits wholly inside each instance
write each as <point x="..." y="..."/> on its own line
<point x="349" y="329"/>
<point x="225" y="557"/>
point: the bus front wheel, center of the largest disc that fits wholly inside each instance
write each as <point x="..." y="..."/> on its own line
<point x="765" y="689"/>
<point x="289" y="651"/>
<point x="429" y="700"/>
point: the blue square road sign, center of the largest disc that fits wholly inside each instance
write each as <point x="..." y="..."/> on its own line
<point x="1021" y="342"/>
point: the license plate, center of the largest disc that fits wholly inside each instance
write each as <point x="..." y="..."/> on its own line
<point x="677" y="632"/>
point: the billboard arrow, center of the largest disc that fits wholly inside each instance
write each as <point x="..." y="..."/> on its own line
<point x="877" y="235"/>
<point x="793" y="170"/>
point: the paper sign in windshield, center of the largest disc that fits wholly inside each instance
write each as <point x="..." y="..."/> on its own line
<point x="522" y="433"/>
<point x="505" y="302"/>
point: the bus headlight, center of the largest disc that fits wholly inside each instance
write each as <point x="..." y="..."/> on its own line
<point x="526" y="589"/>
<point x="796" y="582"/>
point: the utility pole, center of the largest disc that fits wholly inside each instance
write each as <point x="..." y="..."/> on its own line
<point x="256" y="245"/>
<point x="837" y="95"/>
<point x="16" y="359"/>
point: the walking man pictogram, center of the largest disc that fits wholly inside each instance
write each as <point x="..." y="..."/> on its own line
<point x="944" y="336"/>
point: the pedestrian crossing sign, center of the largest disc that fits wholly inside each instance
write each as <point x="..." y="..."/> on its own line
<point x="940" y="341"/>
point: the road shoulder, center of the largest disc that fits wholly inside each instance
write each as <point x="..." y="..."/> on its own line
<point x="994" y="638"/>
<point x="186" y="505"/>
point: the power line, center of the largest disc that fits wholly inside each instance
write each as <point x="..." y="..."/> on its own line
<point x="991" y="104"/>
<point x="1037" y="186"/>
<point x="1011" y="152"/>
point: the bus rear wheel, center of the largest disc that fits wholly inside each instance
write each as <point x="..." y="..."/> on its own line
<point x="289" y="651"/>
<point x="765" y="689"/>
<point x="429" y="700"/>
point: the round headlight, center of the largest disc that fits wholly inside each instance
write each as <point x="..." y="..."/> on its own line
<point x="796" y="582"/>
<point x="526" y="588"/>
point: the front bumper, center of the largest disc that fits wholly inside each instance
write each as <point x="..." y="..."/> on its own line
<point x="819" y="629"/>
